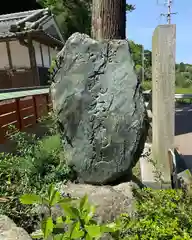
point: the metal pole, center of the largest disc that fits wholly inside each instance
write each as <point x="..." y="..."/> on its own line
<point x="168" y="3"/>
<point x="169" y="12"/>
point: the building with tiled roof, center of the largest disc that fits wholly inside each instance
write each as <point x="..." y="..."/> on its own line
<point x="28" y="42"/>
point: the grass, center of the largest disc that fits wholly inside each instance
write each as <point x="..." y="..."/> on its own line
<point x="178" y="90"/>
<point x="148" y="85"/>
<point x="183" y="90"/>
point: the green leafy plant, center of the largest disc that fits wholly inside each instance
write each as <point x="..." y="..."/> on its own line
<point x="159" y="215"/>
<point x="76" y="221"/>
<point x="33" y="165"/>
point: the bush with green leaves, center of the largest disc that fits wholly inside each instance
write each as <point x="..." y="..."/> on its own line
<point x="76" y="222"/>
<point x="159" y="215"/>
<point x="33" y="165"/>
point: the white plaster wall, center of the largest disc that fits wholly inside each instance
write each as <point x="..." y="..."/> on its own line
<point x="45" y="52"/>
<point x="4" y="62"/>
<point x="53" y="54"/>
<point x="37" y="53"/>
<point x="45" y="55"/>
<point x="19" y="55"/>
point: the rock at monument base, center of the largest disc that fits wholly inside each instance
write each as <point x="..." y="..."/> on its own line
<point x="9" y="230"/>
<point x="110" y="201"/>
<point x="100" y="108"/>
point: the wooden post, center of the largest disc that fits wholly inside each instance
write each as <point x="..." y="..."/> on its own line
<point x="163" y="96"/>
<point x="41" y="52"/>
<point x="9" y="54"/>
<point x="19" y="118"/>
<point x="33" y="63"/>
<point x="35" y="108"/>
<point x="47" y="102"/>
<point x="49" y="56"/>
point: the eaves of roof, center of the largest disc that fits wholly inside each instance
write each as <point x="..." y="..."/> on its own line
<point x="21" y="24"/>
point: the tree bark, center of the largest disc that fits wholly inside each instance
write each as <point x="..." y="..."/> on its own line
<point x="108" y="19"/>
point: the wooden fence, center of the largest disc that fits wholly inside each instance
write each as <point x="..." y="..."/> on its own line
<point x="24" y="111"/>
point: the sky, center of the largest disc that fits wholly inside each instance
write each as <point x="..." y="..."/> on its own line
<point x="145" y="18"/>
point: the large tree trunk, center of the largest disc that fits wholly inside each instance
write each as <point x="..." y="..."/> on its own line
<point x="108" y="19"/>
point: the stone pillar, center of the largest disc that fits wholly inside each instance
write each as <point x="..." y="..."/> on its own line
<point x="163" y="108"/>
<point x="163" y="97"/>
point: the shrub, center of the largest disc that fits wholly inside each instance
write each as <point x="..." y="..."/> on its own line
<point x="76" y="222"/>
<point x="159" y="215"/>
<point x="31" y="168"/>
<point x="146" y="85"/>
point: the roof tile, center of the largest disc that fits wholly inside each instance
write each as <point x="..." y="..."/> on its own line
<point x="7" y="20"/>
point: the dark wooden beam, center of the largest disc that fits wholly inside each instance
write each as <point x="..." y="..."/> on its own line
<point x="9" y="54"/>
<point x="49" y="55"/>
<point x="4" y="39"/>
<point x="41" y="52"/>
<point x="43" y="38"/>
<point x="33" y="63"/>
<point x="37" y="35"/>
